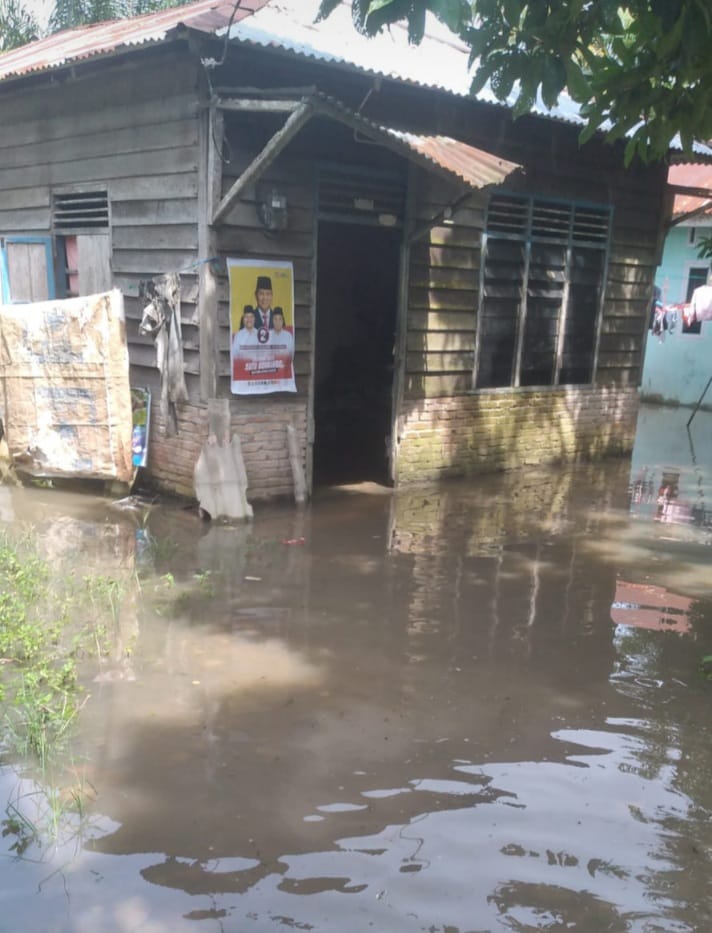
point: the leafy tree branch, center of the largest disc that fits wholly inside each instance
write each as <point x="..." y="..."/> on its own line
<point x="639" y="70"/>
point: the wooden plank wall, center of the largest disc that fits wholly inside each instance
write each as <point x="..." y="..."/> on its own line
<point x="444" y="270"/>
<point x="242" y="236"/>
<point x="631" y="276"/>
<point x="443" y="293"/>
<point x="556" y="166"/>
<point x="132" y="128"/>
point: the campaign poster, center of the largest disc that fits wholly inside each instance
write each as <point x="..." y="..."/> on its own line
<point x="261" y="326"/>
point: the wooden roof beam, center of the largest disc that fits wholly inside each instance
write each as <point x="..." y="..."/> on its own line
<point x="255" y="105"/>
<point x="691" y="192"/>
<point x="688" y="215"/>
<point x="260" y="163"/>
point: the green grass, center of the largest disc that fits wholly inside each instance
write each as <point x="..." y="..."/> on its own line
<point x="50" y="620"/>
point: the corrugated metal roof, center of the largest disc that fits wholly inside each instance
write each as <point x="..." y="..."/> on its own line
<point x="691" y="176"/>
<point x="73" y="45"/>
<point x="475" y="167"/>
<point x="456" y="161"/>
<point x="441" y="61"/>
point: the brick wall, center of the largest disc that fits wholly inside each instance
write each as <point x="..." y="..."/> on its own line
<point x="439" y="437"/>
<point x="502" y="430"/>
<point x="262" y="429"/>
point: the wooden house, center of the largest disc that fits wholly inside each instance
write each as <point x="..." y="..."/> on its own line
<point x="471" y="291"/>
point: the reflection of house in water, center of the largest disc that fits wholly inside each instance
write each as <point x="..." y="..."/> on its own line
<point x="660" y="499"/>
<point x="642" y="489"/>
<point x="644" y="605"/>
<point x="523" y="584"/>
<point x="670" y="477"/>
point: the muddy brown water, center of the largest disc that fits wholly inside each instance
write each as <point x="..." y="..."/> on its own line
<point x="467" y="707"/>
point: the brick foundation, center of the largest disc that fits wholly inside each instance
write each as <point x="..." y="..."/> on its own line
<point x="503" y="430"/>
<point x="439" y="437"/>
<point x="262" y="429"/>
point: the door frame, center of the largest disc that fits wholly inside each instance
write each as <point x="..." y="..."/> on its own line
<point x="401" y="311"/>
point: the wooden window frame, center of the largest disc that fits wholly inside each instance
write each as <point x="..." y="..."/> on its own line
<point x="527" y="236"/>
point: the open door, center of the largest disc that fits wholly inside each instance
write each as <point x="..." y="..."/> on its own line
<point x="356" y="301"/>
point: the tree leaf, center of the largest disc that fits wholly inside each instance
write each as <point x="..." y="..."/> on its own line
<point x="512" y="10"/>
<point x="479" y="79"/>
<point x="553" y="80"/>
<point x="454" y="13"/>
<point x="577" y="83"/>
<point x="326" y="8"/>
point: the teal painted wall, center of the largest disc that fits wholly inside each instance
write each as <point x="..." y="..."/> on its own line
<point x="679" y="256"/>
<point x="677" y="368"/>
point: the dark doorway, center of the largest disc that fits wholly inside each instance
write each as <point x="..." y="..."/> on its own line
<point x="356" y="299"/>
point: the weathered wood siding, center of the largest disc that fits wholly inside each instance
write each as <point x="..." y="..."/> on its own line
<point x="443" y="293"/>
<point x="243" y="237"/>
<point x="134" y="126"/>
<point x="133" y="129"/>
<point x="556" y="166"/>
<point x="444" y="427"/>
<point x="444" y="269"/>
<point x="262" y="419"/>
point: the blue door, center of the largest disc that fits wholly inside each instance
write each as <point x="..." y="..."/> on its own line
<point x="26" y="269"/>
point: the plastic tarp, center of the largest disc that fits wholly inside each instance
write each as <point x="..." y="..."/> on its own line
<point x="64" y="378"/>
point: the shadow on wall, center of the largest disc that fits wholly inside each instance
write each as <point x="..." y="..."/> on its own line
<point x="494" y="430"/>
<point x="445" y="429"/>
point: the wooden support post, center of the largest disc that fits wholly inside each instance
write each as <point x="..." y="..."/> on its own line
<point x="295" y="461"/>
<point x="209" y="183"/>
<point x="401" y="334"/>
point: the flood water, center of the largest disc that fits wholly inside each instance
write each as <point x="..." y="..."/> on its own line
<point x="468" y="707"/>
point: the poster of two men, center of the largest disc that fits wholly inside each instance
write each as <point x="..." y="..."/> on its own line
<point x="261" y="326"/>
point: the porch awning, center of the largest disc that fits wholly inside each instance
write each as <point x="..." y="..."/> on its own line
<point x="452" y="159"/>
<point x="475" y="167"/>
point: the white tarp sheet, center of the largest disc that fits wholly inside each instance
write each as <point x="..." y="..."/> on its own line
<point x="64" y="378"/>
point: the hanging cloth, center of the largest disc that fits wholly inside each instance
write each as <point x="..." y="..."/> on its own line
<point x="161" y="321"/>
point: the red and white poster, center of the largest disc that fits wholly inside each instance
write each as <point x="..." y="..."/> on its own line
<point x="261" y="326"/>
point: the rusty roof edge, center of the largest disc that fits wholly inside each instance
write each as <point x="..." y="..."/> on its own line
<point x="110" y="38"/>
<point x="427" y="150"/>
<point x="429" y="145"/>
<point x="275" y="27"/>
<point x="50" y="69"/>
<point x="223" y="19"/>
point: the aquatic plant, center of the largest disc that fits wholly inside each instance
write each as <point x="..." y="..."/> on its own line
<point x="50" y="620"/>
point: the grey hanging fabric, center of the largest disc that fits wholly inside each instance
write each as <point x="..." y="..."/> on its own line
<point x="161" y="321"/>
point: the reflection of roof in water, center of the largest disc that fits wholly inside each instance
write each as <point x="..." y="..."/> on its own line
<point x="644" y="605"/>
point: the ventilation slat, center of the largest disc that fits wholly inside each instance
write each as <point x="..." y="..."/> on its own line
<point x="78" y="210"/>
<point x="535" y="219"/>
